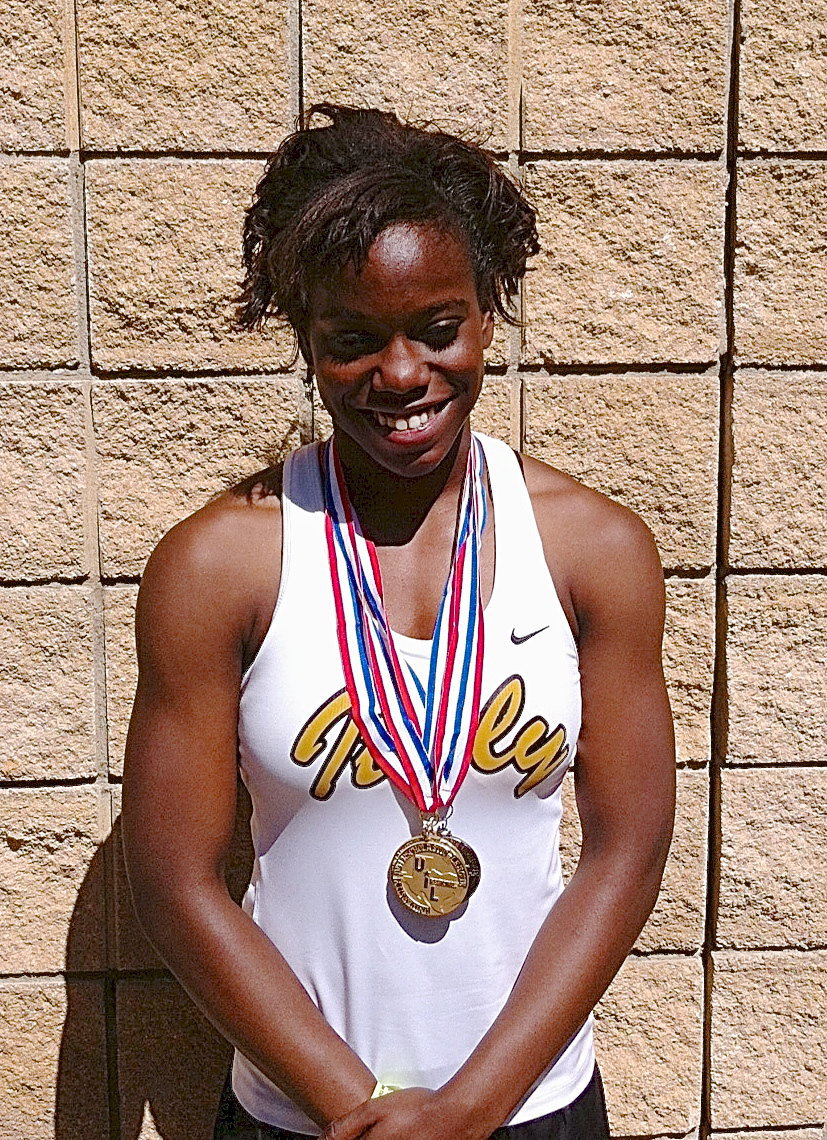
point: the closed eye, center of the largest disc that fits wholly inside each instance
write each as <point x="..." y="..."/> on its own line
<point x="441" y="335"/>
<point x="347" y="346"/>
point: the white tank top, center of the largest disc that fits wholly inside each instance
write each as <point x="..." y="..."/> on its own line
<point x="411" y="996"/>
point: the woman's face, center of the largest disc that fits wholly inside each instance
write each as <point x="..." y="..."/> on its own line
<point x="398" y="349"/>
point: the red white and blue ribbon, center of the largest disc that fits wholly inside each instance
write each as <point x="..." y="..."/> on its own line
<point x="421" y="737"/>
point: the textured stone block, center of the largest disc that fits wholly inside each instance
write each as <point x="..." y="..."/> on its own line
<point x="193" y="76"/>
<point x="52" y="1060"/>
<point x="677" y="922"/>
<point x="52" y="886"/>
<point x="649" y="1032"/>
<point x="689" y="658"/>
<point x="31" y="66"/>
<point x="773" y="878"/>
<point x="769" y="1050"/>
<point x="779" y="478"/>
<point x="423" y="62"/>
<point x="787" y="1134"/>
<point x="165" y="448"/>
<point x="47" y="714"/>
<point x="497" y="412"/>
<point x="777" y="661"/>
<point x="783" y="76"/>
<point x="37" y="301"/>
<point x="649" y="440"/>
<point x="179" y="1097"/>
<point x="639" y="75"/>
<point x="121" y="667"/>
<point x="41" y="493"/>
<point x="780" y="283"/>
<point x="165" y="263"/>
<point x="631" y="262"/>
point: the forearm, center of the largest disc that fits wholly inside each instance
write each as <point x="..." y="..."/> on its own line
<point x="578" y="950"/>
<point x="246" y="988"/>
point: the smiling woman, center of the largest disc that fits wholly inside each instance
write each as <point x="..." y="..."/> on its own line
<point x="449" y="624"/>
<point x="397" y="348"/>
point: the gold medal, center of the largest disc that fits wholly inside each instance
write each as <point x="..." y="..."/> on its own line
<point x="434" y="873"/>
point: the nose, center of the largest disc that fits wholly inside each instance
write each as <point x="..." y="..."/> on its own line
<point x="401" y="367"/>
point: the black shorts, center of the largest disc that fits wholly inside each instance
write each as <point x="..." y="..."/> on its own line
<point x="583" y="1119"/>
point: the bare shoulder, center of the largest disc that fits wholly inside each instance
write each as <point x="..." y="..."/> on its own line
<point x="600" y="552"/>
<point x="218" y="568"/>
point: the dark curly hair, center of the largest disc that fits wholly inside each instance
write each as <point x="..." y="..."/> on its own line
<point x="329" y="191"/>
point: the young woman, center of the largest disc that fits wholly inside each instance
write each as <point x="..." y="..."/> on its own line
<point x="402" y="639"/>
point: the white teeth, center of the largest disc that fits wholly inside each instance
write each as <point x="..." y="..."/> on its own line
<point x="413" y="423"/>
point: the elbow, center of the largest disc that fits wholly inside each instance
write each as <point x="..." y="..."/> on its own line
<point x="171" y="907"/>
<point x="630" y="865"/>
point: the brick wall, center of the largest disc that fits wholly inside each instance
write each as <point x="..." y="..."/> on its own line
<point x="675" y="357"/>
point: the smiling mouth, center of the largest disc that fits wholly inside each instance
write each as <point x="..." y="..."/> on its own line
<point x="412" y="421"/>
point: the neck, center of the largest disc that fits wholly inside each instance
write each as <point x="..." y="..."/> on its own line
<point x="391" y="508"/>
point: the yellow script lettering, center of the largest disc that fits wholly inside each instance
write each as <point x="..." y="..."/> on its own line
<point x="347" y="749"/>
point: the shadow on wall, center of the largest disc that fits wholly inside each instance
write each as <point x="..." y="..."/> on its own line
<point x="164" y="1066"/>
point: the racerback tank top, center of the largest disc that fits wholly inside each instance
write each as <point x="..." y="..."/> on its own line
<point x="412" y="996"/>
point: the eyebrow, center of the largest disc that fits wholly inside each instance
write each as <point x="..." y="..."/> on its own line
<point x="345" y="314"/>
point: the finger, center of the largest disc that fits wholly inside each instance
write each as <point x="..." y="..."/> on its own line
<point x="352" y="1126"/>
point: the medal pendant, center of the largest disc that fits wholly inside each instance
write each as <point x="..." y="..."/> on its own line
<point x="434" y="873"/>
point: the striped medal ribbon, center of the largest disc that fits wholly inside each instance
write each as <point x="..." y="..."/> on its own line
<point x="421" y="737"/>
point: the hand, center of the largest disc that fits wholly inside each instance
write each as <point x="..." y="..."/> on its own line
<point x="422" y="1113"/>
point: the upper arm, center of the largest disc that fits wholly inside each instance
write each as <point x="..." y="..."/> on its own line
<point x="606" y="567"/>
<point x="625" y="774"/>
<point x="195" y="609"/>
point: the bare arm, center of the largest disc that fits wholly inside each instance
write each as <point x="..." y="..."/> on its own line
<point x="195" y="613"/>
<point x="625" y="795"/>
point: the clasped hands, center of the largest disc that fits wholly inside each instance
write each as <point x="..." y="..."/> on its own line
<point x="425" y="1114"/>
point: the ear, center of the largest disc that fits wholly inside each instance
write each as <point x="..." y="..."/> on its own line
<point x="487" y="329"/>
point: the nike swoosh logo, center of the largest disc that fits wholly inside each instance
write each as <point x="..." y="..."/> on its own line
<point x="519" y="640"/>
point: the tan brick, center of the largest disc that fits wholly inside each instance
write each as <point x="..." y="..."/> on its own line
<point x="51" y="906"/>
<point x="630" y="268"/>
<point x="162" y="284"/>
<point x="639" y="75"/>
<point x="780" y="279"/>
<point x="783" y="76"/>
<point x="37" y="302"/>
<point x="649" y="440"/>
<point x="688" y="658"/>
<point x="164" y="448"/>
<point x="648" y="1034"/>
<point x="133" y="950"/>
<point x="777" y="662"/>
<point x="41" y="493"/>
<point x="47" y="717"/>
<point x="416" y="59"/>
<point x="121" y="667"/>
<point x="192" y="75"/>
<point x="178" y="1097"/>
<point x="497" y="412"/>
<point x="31" y="66"/>
<point x="52" y="1060"/>
<point x="787" y="1134"/>
<point x="769" y="1050"/>
<point x="677" y="922"/>
<point x="773" y="879"/>
<point x="779" y="478"/>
